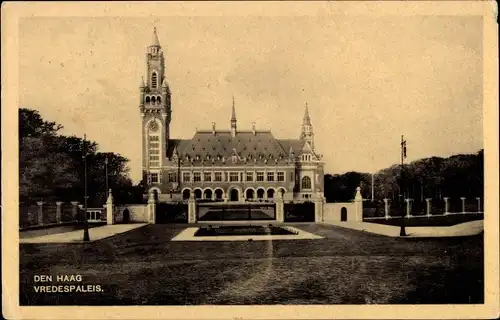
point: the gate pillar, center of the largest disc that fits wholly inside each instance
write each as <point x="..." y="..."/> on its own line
<point x="280" y="216"/>
<point x="152" y="208"/>
<point x="191" y="209"/>
<point x="110" y="217"/>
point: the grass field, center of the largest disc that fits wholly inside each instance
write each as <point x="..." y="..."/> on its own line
<point x="435" y="221"/>
<point x="143" y="267"/>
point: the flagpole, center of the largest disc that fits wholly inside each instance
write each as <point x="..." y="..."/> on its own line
<point x="106" y="162"/>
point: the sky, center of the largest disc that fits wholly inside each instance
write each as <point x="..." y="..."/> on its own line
<point x="366" y="79"/>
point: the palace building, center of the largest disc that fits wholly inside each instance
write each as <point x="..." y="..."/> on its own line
<point x="221" y="165"/>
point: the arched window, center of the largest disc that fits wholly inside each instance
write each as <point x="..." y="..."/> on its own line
<point x="148" y="99"/>
<point x="158" y="99"/>
<point x="154" y="80"/>
<point x="153" y="100"/>
<point x="306" y="182"/>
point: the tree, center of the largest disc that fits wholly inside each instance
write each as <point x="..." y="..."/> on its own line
<point x="52" y="165"/>
<point x="457" y="176"/>
<point x="31" y="124"/>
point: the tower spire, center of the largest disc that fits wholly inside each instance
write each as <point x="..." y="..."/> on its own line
<point x="155" y="41"/>
<point x="307" y="119"/>
<point x="233" y="116"/>
<point x="233" y="121"/>
<point x="307" y="132"/>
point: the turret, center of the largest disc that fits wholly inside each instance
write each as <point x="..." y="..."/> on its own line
<point x="233" y="121"/>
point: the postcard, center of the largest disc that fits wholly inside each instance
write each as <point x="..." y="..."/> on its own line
<point x="250" y="160"/>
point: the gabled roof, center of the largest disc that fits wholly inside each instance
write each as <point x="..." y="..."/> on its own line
<point x="295" y="144"/>
<point x="261" y="147"/>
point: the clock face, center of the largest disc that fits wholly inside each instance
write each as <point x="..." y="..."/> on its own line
<point x="153" y="126"/>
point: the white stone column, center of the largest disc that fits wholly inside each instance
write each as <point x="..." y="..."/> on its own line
<point x="152" y="208"/>
<point x="318" y="209"/>
<point x="428" y="203"/>
<point x="358" y="201"/>
<point x="478" y="204"/>
<point x="58" y="211"/>
<point x="280" y="216"/>
<point x="446" y="205"/>
<point x="110" y="217"/>
<point x="463" y="204"/>
<point x="191" y="209"/>
<point x="408" y="207"/>
<point x="386" y="208"/>
<point x="40" y="212"/>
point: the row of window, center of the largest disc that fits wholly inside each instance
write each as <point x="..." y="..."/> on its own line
<point x="306" y="157"/>
<point x="259" y="176"/>
<point x="153" y="99"/>
<point x="306" y="182"/>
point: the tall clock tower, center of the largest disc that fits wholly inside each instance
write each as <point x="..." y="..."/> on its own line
<point x="155" y="108"/>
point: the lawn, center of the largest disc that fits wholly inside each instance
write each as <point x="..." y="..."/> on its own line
<point x="435" y="221"/>
<point x="143" y="267"/>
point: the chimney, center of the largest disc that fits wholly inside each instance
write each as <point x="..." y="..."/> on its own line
<point x="253" y="128"/>
<point x="213" y="128"/>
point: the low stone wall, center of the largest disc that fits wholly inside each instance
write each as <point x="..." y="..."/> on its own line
<point x="333" y="211"/>
<point x="131" y="213"/>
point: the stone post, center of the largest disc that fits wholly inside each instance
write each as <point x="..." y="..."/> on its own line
<point x="318" y="209"/>
<point x="110" y="217"/>
<point x="408" y="207"/>
<point x="358" y="201"/>
<point x="428" y="202"/>
<point x="74" y="210"/>
<point x="152" y="208"/>
<point x="191" y="209"/>
<point x="478" y="204"/>
<point x="446" y="205"/>
<point x="386" y="208"/>
<point x="58" y="211"/>
<point x="463" y="204"/>
<point x="40" y="213"/>
<point x="280" y="210"/>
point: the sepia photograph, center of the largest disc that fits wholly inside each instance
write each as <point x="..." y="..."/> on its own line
<point x="294" y="157"/>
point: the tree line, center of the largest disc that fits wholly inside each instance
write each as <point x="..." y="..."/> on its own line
<point x="51" y="166"/>
<point x="456" y="176"/>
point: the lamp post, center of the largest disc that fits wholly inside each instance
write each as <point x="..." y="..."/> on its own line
<point x="403" y="156"/>
<point x="86" y="236"/>
<point x="106" y="168"/>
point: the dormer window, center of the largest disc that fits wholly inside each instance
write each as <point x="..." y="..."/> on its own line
<point x="197" y="157"/>
<point x="234" y="158"/>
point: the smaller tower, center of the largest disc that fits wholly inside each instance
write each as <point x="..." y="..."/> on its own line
<point x="233" y="121"/>
<point x="307" y="132"/>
